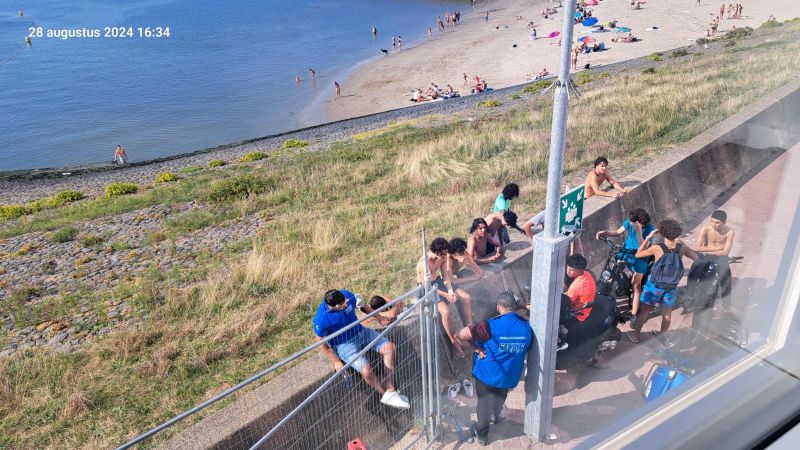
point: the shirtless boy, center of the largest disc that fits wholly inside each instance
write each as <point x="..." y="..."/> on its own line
<point x="497" y="222"/>
<point x="386" y="316"/>
<point x="441" y="279"/>
<point x="716" y="240"/>
<point x="716" y="237"/>
<point x="482" y="247"/>
<point x="598" y="176"/>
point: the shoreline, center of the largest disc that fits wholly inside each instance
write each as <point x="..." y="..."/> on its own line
<point x="502" y="52"/>
<point x="26" y="185"/>
<point x="315" y="111"/>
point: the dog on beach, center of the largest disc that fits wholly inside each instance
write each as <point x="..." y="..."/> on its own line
<point x="385" y="52"/>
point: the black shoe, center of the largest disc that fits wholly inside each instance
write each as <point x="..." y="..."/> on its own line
<point x="496" y="419"/>
<point x="483" y="442"/>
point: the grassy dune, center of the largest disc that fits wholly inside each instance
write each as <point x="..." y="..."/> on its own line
<point x="346" y="217"/>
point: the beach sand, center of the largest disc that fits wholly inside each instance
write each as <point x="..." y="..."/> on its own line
<point x="485" y="49"/>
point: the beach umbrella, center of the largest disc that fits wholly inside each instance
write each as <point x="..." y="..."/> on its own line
<point x="587" y="40"/>
<point x="592" y="2"/>
<point x="589" y="22"/>
<point x="553" y="34"/>
<point x="622" y="30"/>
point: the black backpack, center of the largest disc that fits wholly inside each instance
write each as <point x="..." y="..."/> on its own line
<point x="668" y="270"/>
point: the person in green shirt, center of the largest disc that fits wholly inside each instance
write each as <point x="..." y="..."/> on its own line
<point x="503" y="201"/>
<point x="502" y="204"/>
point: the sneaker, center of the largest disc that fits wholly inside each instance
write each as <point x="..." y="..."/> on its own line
<point x="452" y="391"/>
<point x="395" y="400"/>
<point x="562" y="346"/>
<point x="634" y="337"/>
<point x="496" y="419"/>
<point x="468" y="388"/>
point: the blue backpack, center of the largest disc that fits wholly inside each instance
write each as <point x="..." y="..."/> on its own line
<point x="668" y="270"/>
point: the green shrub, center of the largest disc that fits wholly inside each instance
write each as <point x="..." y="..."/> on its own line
<point x="239" y="187"/>
<point x="166" y="177"/>
<point x="294" y="143"/>
<point x="696" y="55"/>
<point x="604" y="75"/>
<point x="771" y="24"/>
<point x="491" y="103"/>
<point x="702" y="41"/>
<point x="92" y="240"/>
<point x="37" y="205"/>
<point x="536" y="87"/>
<point x="583" y="78"/>
<point x="64" y="197"/>
<point x="191" y="169"/>
<point x="254" y="156"/>
<point x="678" y="53"/>
<point x="515" y="97"/>
<point x="729" y="43"/>
<point x="121" y="188"/>
<point x="8" y="212"/>
<point x="649" y="70"/>
<point x="64" y="235"/>
<point x="216" y="163"/>
<point x="738" y="33"/>
<point x="655" y="56"/>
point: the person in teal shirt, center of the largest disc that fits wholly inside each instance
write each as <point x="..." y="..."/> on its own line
<point x="637" y="226"/>
<point x="503" y="203"/>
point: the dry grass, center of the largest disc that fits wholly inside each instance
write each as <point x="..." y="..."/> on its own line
<point x="349" y="218"/>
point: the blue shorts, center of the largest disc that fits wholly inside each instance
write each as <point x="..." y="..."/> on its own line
<point x="652" y="295"/>
<point x="638" y="265"/>
<point x="348" y="349"/>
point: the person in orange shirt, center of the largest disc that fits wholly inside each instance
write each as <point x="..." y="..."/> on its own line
<point x="582" y="289"/>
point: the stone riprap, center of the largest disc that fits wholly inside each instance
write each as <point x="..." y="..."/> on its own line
<point x="51" y="269"/>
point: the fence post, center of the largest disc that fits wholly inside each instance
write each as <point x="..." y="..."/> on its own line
<point x="423" y="328"/>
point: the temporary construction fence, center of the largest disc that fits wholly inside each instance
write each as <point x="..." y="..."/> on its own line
<point x="344" y="407"/>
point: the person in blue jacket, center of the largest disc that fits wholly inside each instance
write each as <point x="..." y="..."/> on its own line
<point x="337" y="311"/>
<point x="502" y="345"/>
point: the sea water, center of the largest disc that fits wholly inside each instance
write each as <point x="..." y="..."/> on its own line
<point x="103" y="72"/>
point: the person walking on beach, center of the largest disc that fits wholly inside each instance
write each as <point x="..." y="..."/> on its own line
<point x="374" y="31"/>
<point x="338" y="89"/>
<point x="297" y="79"/>
<point x="466" y="83"/>
<point x="120" y="156"/>
<point x="313" y="73"/>
<point x="487" y="17"/>
<point x="394" y="43"/>
<point x="399" y="41"/>
<point x="575" y="52"/>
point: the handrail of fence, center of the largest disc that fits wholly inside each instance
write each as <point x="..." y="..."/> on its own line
<point x="341" y="371"/>
<point x="417" y="291"/>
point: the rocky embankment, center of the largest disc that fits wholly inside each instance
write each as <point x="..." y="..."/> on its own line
<point x="44" y="274"/>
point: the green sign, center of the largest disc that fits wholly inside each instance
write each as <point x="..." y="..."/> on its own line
<point x="571" y="209"/>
